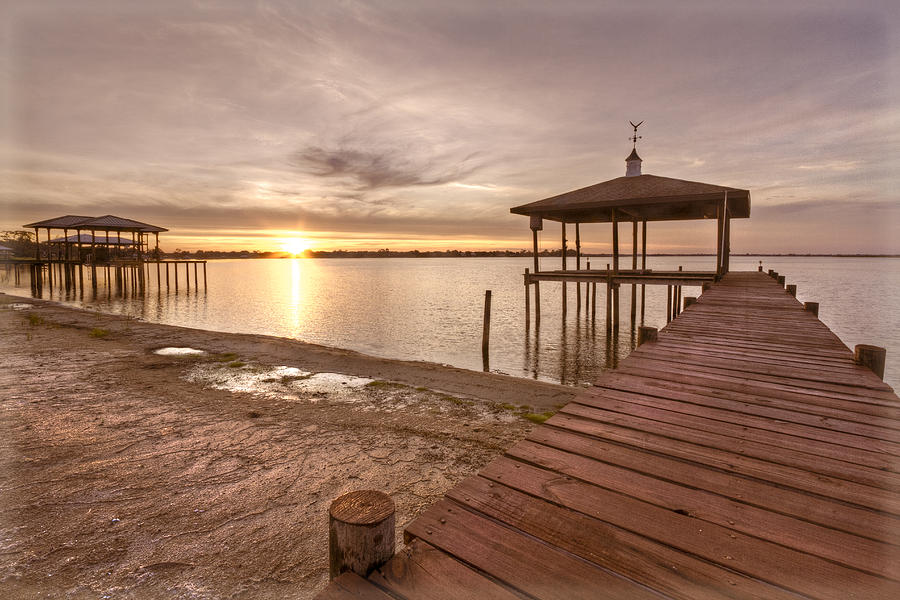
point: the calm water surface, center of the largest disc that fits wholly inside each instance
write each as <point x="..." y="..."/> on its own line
<point x="431" y="309"/>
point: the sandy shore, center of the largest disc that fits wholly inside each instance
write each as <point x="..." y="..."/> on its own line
<point x="128" y="474"/>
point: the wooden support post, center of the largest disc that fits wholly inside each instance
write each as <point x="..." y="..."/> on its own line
<point x="175" y="270"/>
<point x="726" y="239"/>
<point x="360" y="532"/>
<point x="676" y="305"/>
<point x="537" y="303"/>
<point x="792" y="289"/>
<point x="196" y="286"/>
<point x="593" y="301"/>
<point x="608" y="304"/>
<point x="563" y="247"/>
<point x="688" y="300"/>
<point x="720" y="230"/>
<point x="668" y="303"/>
<point x="167" y="276"/>
<point x="158" y="277"/>
<point x="486" y="331"/>
<point x="534" y="250"/>
<point x="577" y="247"/>
<point x="871" y="357"/>
<point x="527" y="300"/>
<point x="812" y="307"/>
<point x="616" y="314"/>
<point x="187" y="276"/>
<point x="204" y="275"/>
<point x="647" y="334"/>
<point x="615" y="240"/>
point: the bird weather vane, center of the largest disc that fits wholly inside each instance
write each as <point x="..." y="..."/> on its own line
<point x="634" y="138"/>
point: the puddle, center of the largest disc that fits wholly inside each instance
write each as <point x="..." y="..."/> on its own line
<point x="287" y="383"/>
<point x="173" y="351"/>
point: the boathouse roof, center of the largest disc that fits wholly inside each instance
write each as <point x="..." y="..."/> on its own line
<point x="641" y="197"/>
<point x="104" y="223"/>
<point x="87" y="238"/>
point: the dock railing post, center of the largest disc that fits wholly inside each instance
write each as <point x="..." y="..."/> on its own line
<point x="647" y="334"/>
<point x="360" y="532"/>
<point x="871" y="357"/>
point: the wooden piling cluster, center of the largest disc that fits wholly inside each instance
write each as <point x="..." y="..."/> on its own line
<point x="120" y="277"/>
<point x="742" y="453"/>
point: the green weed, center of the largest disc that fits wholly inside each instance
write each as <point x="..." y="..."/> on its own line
<point x="99" y="333"/>
<point x="35" y="320"/>
<point x="236" y="364"/>
<point x="538" y="418"/>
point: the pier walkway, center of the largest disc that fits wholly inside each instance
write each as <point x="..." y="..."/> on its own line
<point x="742" y="455"/>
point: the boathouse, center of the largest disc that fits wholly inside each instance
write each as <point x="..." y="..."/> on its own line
<point x="635" y="198"/>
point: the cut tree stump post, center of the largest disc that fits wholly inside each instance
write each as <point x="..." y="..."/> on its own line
<point x="647" y="334"/>
<point x="871" y="357"/>
<point x="360" y="532"/>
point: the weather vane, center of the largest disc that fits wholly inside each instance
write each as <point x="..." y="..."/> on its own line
<point x="634" y="138"/>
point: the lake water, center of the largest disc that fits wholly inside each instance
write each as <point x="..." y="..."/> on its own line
<point x="431" y="309"/>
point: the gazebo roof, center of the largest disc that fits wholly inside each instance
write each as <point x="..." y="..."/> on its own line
<point x="64" y="222"/>
<point x="104" y="223"/>
<point x="641" y="197"/>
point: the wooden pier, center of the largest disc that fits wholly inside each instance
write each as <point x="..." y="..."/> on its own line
<point x="743" y="454"/>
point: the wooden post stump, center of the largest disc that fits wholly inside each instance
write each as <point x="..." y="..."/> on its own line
<point x="792" y="289"/>
<point x="688" y="300"/>
<point x="871" y="357"/>
<point x="812" y="307"/>
<point x="781" y="280"/>
<point x="647" y="334"/>
<point x="360" y="532"/>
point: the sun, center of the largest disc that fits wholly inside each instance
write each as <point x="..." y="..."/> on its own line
<point x="295" y="245"/>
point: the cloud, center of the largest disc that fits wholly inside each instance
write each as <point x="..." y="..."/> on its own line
<point x="380" y="169"/>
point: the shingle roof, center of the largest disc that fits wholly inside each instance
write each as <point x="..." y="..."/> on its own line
<point x="64" y="222"/>
<point x="104" y="223"/>
<point x="647" y="197"/>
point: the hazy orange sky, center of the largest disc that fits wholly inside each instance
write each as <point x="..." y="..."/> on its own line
<point x="239" y="125"/>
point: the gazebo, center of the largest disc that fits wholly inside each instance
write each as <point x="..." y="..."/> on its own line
<point x="635" y="198"/>
<point x="137" y="236"/>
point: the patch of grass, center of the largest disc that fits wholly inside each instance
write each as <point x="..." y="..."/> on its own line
<point x="35" y="320"/>
<point x="538" y="417"/>
<point x="421" y="389"/>
<point x="457" y="401"/>
<point x="380" y="383"/>
<point x="99" y="333"/>
<point x="508" y="406"/>
<point x="226" y="357"/>
<point x="236" y="364"/>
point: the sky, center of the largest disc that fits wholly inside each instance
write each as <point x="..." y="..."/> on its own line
<point x="366" y="125"/>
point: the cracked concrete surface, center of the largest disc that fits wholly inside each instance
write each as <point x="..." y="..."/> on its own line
<point x="122" y="475"/>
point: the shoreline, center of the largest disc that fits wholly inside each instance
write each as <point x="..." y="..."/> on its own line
<point x="127" y="473"/>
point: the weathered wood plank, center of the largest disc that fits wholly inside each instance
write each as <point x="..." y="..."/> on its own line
<point x="422" y="571"/>
<point x="517" y="560"/>
<point x="763" y="560"/>
<point x="350" y="586"/>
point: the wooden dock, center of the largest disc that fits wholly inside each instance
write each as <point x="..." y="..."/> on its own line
<point x="742" y="455"/>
